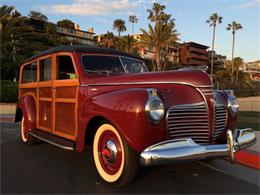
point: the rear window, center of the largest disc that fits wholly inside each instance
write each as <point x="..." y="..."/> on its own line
<point x="102" y="64"/>
<point x="29" y="73"/>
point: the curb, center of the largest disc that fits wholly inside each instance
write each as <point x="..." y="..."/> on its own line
<point x="249" y="158"/>
<point x="6" y="118"/>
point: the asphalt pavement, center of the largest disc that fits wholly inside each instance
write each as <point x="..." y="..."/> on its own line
<point x="46" y="169"/>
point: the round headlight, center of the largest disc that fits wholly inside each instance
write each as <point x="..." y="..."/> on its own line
<point x="154" y="109"/>
<point x="233" y="104"/>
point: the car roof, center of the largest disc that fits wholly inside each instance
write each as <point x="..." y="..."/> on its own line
<point x="81" y="48"/>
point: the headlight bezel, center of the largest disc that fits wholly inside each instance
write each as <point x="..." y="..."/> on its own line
<point x="233" y="105"/>
<point x="154" y="107"/>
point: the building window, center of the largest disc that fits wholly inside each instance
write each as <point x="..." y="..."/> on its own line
<point x="45" y="69"/>
<point x="65" y="69"/>
<point x="71" y="31"/>
<point x="29" y="73"/>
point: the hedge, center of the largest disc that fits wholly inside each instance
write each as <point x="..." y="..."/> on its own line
<point x="8" y="91"/>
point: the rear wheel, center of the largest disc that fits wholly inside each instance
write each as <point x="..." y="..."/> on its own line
<point x="26" y="138"/>
<point x="115" y="161"/>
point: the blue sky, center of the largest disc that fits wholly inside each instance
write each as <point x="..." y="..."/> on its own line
<point x="190" y="17"/>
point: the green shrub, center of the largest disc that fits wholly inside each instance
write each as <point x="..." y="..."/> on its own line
<point x="8" y="91"/>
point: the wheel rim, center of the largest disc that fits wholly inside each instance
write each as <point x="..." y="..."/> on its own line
<point x="109" y="160"/>
<point x="24" y="132"/>
<point x="110" y="152"/>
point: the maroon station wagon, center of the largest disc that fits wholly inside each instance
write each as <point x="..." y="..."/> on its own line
<point x="72" y="96"/>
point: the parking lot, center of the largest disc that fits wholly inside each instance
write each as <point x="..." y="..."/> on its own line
<point x="44" y="168"/>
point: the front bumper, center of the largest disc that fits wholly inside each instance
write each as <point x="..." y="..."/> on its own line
<point x="171" y="151"/>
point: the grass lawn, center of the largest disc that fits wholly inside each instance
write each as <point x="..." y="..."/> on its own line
<point x="249" y="119"/>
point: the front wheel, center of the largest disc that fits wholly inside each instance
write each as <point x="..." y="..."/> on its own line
<point x="115" y="161"/>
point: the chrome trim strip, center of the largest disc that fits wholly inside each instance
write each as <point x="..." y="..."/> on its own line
<point x="207" y="106"/>
<point x="193" y="136"/>
<point x="140" y="83"/>
<point x="189" y="128"/>
<point x="181" y="131"/>
<point x="194" y="125"/>
<point x="50" y="142"/>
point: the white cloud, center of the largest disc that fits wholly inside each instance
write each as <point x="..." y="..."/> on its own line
<point x="253" y="3"/>
<point x="94" y="7"/>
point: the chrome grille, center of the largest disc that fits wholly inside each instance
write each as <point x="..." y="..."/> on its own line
<point x="206" y="90"/>
<point x="189" y="121"/>
<point x="220" y="120"/>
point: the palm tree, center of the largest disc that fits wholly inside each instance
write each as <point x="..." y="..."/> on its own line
<point x="107" y="40"/>
<point x="5" y="12"/>
<point x="234" y="26"/>
<point x="133" y="19"/>
<point x="119" y="25"/>
<point x="238" y="62"/>
<point x="213" y="20"/>
<point x="66" y="23"/>
<point x="157" y="38"/>
<point x="156" y="13"/>
<point x="38" y="15"/>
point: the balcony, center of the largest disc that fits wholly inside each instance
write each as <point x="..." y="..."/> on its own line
<point x="74" y="32"/>
<point x="197" y="50"/>
<point x="199" y="57"/>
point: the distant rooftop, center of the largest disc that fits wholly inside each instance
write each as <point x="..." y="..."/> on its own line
<point x="196" y="45"/>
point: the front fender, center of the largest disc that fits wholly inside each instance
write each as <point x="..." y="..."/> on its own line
<point x="27" y="106"/>
<point x="125" y="109"/>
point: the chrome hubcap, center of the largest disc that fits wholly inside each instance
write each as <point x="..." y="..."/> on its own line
<point x="110" y="152"/>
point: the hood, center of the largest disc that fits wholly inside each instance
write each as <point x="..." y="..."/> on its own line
<point x="194" y="77"/>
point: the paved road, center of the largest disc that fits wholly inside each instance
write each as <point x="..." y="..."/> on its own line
<point x="43" y="168"/>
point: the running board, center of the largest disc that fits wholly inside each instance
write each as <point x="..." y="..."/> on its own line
<point x="52" y="139"/>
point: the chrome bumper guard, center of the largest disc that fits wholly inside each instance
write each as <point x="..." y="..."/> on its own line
<point x="171" y="151"/>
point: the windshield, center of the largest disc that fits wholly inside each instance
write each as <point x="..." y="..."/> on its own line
<point x="133" y="66"/>
<point x="111" y="65"/>
<point x="102" y="64"/>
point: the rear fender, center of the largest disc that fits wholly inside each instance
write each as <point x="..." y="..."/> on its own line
<point x="26" y="108"/>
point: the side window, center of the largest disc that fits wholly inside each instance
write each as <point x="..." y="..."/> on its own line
<point x="45" y="69"/>
<point x="65" y="69"/>
<point x="29" y="73"/>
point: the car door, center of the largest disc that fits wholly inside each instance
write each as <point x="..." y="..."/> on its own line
<point x="44" y="95"/>
<point x="65" y="90"/>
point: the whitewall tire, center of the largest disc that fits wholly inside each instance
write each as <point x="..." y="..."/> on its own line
<point x="115" y="161"/>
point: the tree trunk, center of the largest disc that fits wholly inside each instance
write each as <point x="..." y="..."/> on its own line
<point x="132" y="28"/>
<point x="157" y="59"/>
<point x="118" y="33"/>
<point x="233" y="49"/>
<point x="1" y="26"/>
<point x="212" y="52"/>
<point x="14" y="49"/>
<point x="154" y="66"/>
<point x="237" y="75"/>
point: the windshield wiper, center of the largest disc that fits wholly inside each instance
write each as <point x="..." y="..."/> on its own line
<point x="100" y="72"/>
